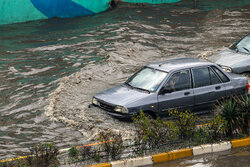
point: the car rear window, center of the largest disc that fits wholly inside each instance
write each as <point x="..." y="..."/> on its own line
<point x="222" y="76"/>
<point x="214" y="78"/>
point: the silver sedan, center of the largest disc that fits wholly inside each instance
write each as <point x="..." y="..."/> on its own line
<point x="235" y="59"/>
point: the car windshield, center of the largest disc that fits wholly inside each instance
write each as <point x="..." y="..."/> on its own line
<point x="147" y="79"/>
<point x="243" y="45"/>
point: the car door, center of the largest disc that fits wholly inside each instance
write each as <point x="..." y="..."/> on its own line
<point x="180" y="95"/>
<point x="207" y="88"/>
<point x="225" y="80"/>
<point x="219" y="86"/>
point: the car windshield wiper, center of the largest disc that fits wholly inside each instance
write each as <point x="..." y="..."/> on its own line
<point x="142" y="89"/>
<point x="246" y="49"/>
<point x="126" y="83"/>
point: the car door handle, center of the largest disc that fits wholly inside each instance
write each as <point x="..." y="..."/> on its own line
<point x="217" y="87"/>
<point x="186" y="93"/>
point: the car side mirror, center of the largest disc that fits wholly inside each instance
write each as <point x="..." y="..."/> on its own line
<point x="237" y="50"/>
<point x="166" y="90"/>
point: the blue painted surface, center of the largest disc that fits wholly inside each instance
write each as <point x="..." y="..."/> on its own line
<point x="95" y="6"/>
<point x="61" y="8"/>
<point x="14" y="11"/>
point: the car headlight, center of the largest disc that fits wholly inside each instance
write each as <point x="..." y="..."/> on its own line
<point x="225" y="68"/>
<point x="121" y="109"/>
<point x="94" y="101"/>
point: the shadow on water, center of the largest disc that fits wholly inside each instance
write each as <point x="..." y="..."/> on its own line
<point x="34" y="56"/>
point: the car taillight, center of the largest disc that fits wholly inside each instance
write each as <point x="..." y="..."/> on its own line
<point x="248" y="87"/>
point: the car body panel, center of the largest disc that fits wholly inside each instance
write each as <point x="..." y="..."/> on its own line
<point x="178" y="64"/>
<point x="237" y="84"/>
<point x="133" y="99"/>
<point x="205" y="96"/>
<point x="121" y="95"/>
<point x="238" y="62"/>
<point x="181" y="100"/>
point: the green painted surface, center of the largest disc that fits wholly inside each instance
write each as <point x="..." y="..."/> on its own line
<point x="95" y="6"/>
<point x="14" y="11"/>
<point x="151" y="1"/>
<point x="222" y="4"/>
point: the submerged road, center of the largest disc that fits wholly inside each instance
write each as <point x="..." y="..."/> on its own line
<point x="238" y="157"/>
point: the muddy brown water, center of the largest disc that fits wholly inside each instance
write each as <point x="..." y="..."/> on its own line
<point x="49" y="70"/>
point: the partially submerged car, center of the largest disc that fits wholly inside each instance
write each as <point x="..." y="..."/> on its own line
<point x="183" y="84"/>
<point x="236" y="59"/>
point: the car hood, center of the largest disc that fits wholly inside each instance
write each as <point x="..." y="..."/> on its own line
<point x="121" y="95"/>
<point x="229" y="58"/>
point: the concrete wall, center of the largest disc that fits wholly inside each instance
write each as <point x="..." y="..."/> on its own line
<point x="14" y="11"/>
<point x="151" y="1"/>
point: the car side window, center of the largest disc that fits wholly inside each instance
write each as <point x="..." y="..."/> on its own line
<point x="222" y="76"/>
<point x="201" y="77"/>
<point x="213" y="77"/>
<point x="179" y="81"/>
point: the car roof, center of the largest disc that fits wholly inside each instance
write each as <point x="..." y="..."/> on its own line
<point x="178" y="63"/>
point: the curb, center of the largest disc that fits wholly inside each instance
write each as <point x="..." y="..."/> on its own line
<point x="221" y="146"/>
<point x="172" y="155"/>
<point x="178" y="154"/>
<point x="163" y="157"/>
<point x="101" y="165"/>
<point x="140" y="161"/>
<point x="13" y="159"/>
<point x="240" y="142"/>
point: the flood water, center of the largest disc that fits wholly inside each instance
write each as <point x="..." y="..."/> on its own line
<point x="34" y="57"/>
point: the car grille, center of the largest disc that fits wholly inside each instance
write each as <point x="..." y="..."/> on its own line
<point x="106" y="106"/>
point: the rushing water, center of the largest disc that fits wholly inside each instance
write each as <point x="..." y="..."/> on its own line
<point x="35" y="55"/>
